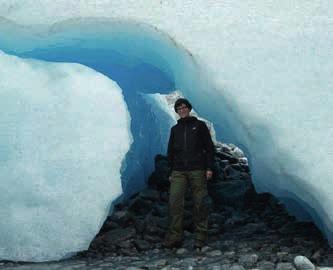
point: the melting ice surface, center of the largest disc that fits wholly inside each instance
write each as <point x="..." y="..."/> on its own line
<point x="59" y="162"/>
<point x="262" y="73"/>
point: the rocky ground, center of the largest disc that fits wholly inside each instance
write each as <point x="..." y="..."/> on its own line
<point x="247" y="230"/>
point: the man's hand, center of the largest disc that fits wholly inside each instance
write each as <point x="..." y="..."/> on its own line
<point x="209" y="174"/>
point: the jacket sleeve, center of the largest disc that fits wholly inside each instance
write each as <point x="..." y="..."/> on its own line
<point x="170" y="148"/>
<point x="208" y="146"/>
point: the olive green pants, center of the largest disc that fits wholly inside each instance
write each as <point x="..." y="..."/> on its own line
<point x="180" y="180"/>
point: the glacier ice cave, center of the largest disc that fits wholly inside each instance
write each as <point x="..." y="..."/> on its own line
<point x="141" y="60"/>
<point x="77" y="131"/>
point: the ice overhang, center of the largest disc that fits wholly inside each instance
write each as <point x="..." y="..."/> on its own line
<point x="139" y="57"/>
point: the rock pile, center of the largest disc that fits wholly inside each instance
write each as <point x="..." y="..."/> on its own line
<point x="246" y="230"/>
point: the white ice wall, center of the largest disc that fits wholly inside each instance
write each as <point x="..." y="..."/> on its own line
<point x="64" y="131"/>
<point x="266" y="84"/>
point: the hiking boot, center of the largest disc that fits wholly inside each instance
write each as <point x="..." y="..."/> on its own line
<point x="172" y="244"/>
<point x="199" y="244"/>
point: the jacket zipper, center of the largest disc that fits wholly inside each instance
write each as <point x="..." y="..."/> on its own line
<point x="185" y="145"/>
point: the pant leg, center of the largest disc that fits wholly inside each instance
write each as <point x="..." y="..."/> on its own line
<point x="198" y="182"/>
<point x="178" y="187"/>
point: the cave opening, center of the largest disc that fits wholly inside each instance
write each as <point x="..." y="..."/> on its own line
<point x="142" y="60"/>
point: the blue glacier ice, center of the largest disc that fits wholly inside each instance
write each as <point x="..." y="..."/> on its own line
<point x="137" y="69"/>
<point x="261" y="72"/>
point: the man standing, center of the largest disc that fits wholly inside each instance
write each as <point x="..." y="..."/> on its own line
<point x="190" y="154"/>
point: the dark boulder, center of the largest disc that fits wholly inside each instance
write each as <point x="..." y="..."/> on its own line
<point x="237" y="193"/>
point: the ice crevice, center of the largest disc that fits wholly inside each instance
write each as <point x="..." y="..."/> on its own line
<point x="144" y="61"/>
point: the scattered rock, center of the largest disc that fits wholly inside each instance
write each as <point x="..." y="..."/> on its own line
<point x="285" y="266"/>
<point x="119" y="235"/>
<point x="248" y="260"/>
<point x="150" y="194"/>
<point x="282" y="256"/>
<point x="140" y="205"/>
<point x="181" y="251"/>
<point x="303" y="263"/>
<point x="157" y="264"/>
<point x="229" y="255"/>
<point x="206" y="248"/>
<point x="189" y="262"/>
<point x="142" y="245"/>
<point x="122" y="218"/>
<point x="214" y="253"/>
<point x="236" y="267"/>
<point x="264" y="265"/>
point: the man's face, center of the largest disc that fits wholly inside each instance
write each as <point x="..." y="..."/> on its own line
<point x="183" y="111"/>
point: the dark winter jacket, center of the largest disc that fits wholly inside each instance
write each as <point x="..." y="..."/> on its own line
<point x="190" y="145"/>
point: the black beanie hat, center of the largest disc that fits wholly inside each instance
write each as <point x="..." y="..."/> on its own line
<point x="181" y="101"/>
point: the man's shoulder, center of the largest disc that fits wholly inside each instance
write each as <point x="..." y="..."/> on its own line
<point x="201" y="123"/>
<point x="174" y="126"/>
